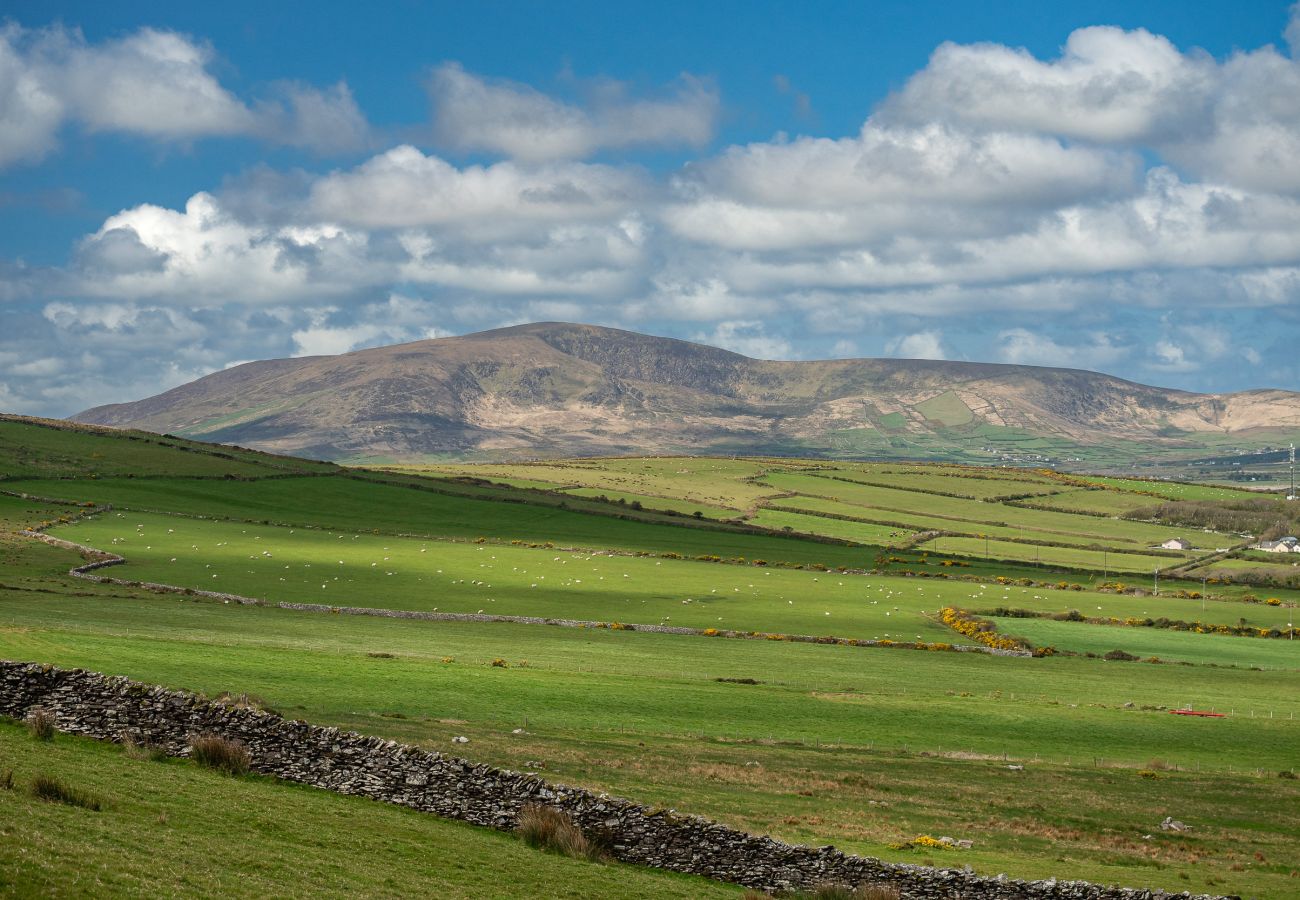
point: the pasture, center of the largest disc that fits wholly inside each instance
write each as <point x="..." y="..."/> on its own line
<point x="858" y="746"/>
<point x="244" y="837"/>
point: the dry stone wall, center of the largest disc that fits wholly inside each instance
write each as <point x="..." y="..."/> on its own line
<point x="115" y="708"/>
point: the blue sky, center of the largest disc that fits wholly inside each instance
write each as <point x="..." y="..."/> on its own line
<point x="1113" y="186"/>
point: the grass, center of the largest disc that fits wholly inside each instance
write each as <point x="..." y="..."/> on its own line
<point x="50" y="789"/>
<point x="40" y="723"/>
<point x="34" y="449"/>
<point x="972" y="511"/>
<point x="591" y="680"/>
<point x="1222" y="650"/>
<point x="349" y="569"/>
<point x="553" y="830"/>
<point x="173" y="828"/>
<point x="212" y="751"/>
<point x="865" y="748"/>
<point x="1073" y="557"/>
<point x="358" y="505"/>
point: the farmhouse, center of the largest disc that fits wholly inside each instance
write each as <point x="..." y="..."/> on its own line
<point x="1288" y="544"/>
<point x="1176" y="544"/>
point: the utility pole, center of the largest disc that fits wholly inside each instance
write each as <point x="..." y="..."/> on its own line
<point x="1291" y="495"/>
<point x="1156" y="590"/>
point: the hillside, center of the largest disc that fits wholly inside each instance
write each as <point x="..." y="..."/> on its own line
<point x="554" y="389"/>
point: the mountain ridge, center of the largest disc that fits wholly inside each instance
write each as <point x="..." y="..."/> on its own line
<point x="561" y="389"/>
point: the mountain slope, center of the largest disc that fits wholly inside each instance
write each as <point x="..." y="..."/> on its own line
<point x="554" y="389"/>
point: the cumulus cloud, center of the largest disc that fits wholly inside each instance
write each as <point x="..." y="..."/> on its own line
<point x="1022" y="346"/>
<point x="325" y="121"/>
<point x="404" y="187"/>
<point x="918" y="345"/>
<point x="886" y="182"/>
<point x="749" y="338"/>
<point x="1236" y="120"/>
<point x="472" y="113"/>
<point x="202" y="254"/>
<point x="1086" y="210"/>
<point x="153" y="83"/>
<point x="396" y="320"/>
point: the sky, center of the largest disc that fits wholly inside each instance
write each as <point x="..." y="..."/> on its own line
<point x="1099" y="185"/>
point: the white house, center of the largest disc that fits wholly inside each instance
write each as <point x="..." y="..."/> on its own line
<point x="1176" y="544"/>
<point x="1288" y="544"/>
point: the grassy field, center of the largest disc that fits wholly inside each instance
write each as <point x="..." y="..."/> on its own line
<point x="1112" y="561"/>
<point x="972" y="511"/>
<point x="860" y="747"/>
<point x="354" y="504"/>
<point x="31" y="449"/>
<point x="857" y="747"/>
<point x="1223" y="650"/>
<point x="170" y="828"/>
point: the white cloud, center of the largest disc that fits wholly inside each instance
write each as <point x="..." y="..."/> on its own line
<point x="1081" y="211"/>
<point x="397" y="320"/>
<point x="1236" y="121"/>
<point x="1108" y="85"/>
<point x="887" y="182"/>
<point x="152" y="83"/>
<point x="322" y="120"/>
<point x="472" y="113"/>
<point x="749" y="338"/>
<point x="30" y="112"/>
<point x="205" y="255"/>
<point x="1021" y="346"/>
<point x="404" y="187"/>
<point x="919" y="345"/>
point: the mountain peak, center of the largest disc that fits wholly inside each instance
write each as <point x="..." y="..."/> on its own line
<point x="568" y="389"/>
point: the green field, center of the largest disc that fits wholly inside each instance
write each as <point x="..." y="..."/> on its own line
<point x="974" y="512"/>
<point x="172" y="828"/>
<point x="857" y="746"/>
<point x="1072" y="557"/>
<point x="1151" y="642"/>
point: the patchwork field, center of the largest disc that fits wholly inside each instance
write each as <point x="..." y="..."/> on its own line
<point x="862" y="747"/>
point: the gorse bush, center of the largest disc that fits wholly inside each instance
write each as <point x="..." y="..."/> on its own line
<point x="40" y="722"/>
<point x="553" y="830"/>
<point x="215" y="752"/>
<point x="46" y="787"/>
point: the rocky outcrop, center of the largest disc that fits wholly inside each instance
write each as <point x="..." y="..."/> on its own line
<point x="115" y="709"/>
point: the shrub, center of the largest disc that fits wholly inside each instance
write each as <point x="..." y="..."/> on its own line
<point x="222" y="754"/>
<point x="500" y="663"/>
<point x="553" y="830"/>
<point x="47" y="787"/>
<point x="40" y="722"/>
<point x="7" y="780"/>
<point x="1120" y="656"/>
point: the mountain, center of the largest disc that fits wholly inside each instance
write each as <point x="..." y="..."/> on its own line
<point x="555" y="389"/>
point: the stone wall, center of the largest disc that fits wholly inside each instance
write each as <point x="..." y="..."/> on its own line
<point x="114" y="708"/>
